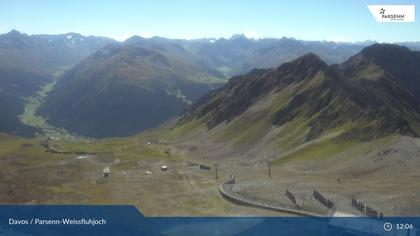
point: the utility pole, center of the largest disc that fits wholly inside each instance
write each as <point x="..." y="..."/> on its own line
<point x="269" y="169"/>
<point x="215" y="167"/>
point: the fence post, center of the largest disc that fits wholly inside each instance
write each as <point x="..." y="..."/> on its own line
<point x="216" y="170"/>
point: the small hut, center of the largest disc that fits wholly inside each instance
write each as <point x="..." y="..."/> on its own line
<point x="164" y="168"/>
<point x="106" y="171"/>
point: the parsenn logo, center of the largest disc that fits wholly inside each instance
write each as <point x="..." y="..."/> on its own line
<point x="391" y="16"/>
<point x="382" y="12"/>
<point x="393" y="13"/>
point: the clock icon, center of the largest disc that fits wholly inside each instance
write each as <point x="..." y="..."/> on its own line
<point x="387" y="226"/>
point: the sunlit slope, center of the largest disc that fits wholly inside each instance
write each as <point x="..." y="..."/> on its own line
<point x="306" y="109"/>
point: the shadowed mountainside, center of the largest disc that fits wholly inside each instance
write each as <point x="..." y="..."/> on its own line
<point x="124" y="89"/>
<point x="29" y="61"/>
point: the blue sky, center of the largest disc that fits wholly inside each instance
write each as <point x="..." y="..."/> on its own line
<point x="334" y="20"/>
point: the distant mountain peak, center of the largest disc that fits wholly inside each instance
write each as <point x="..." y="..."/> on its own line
<point x="284" y="38"/>
<point x="398" y="61"/>
<point x="310" y="57"/>
<point x="241" y="37"/>
<point x="134" y="39"/>
<point x="15" y="33"/>
<point x="309" y="60"/>
<point x="394" y="58"/>
<point x="388" y="56"/>
<point x="238" y="36"/>
<point x="72" y="35"/>
<point x="384" y="48"/>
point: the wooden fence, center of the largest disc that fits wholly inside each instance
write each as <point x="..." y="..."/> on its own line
<point x="323" y="200"/>
<point x="362" y="207"/>
<point x="291" y="197"/>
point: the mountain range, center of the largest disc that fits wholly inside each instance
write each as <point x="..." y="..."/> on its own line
<point x="124" y="89"/>
<point x="106" y="88"/>
<point x="239" y="54"/>
<point x="307" y="103"/>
